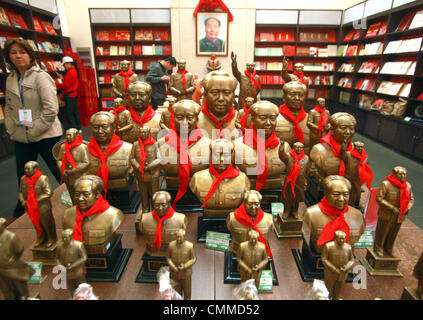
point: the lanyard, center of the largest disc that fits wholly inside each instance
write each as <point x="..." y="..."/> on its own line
<point x="20" y="85"/>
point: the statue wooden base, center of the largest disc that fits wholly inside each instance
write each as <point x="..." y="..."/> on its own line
<point x="269" y="196"/>
<point x="381" y="266"/>
<point x="232" y="275"/>
<point x="314" y="192"/>
<point x="189" y="203"/>
<point x="411" y="293"/>
<point x="108" y="267"/>
<point x="210" y="224"/>
<point x="45" y="255"/>
<point x="150" y="266"/>
<point x="126" y="199"/>
<point x="309" y="264"/>
<point x="289" y="228"/>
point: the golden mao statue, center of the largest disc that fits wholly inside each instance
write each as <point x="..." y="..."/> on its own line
<point x="221" y="187"/>
<point x="213" y="64"/>
<point x="256" y="153"/>
<point x="243" y="118"/>
<point x="181" y="83"/>
<point x="122" y="80"/>
<point x="333" y="213"/>
<point x="249" y="82"/>
<point x="73" y="160"/>
<point x="14" y="273"/>
<point x="35" y="194"/>
<point x="126" y="129"/>
<point x="180" y="258"/>
<point x="93" y="220"/>
<point x="338" y="259"/>
<point x="167" y="115"/>
<point x="318" y="122"/>
<point x="297" y="75"/>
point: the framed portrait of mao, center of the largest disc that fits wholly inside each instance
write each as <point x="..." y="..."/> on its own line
<point x="212" y="33"/>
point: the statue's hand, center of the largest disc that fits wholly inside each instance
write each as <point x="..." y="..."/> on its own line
<point x="396" y="211"/>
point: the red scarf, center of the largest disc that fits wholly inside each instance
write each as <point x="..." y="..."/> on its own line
<point x="117" y="110"/>
<point x="68" y="155"/>
<point x="148" y="115"/>
<point x="184" y="80"/>
<point x="174" y="140"/>
<point x="364" y="171"/>
<point x="33" y="210"/>
<point x="300" y="77"/>
<point x="212" y="59"/>
<point x="254" y="82"/>
<point x="126" y="76"/>
<point x="171" y="119"/>
<point x="271" y="142"/>
<point x="339" y="223"/>
<point x="99" y="206"/>
<point x="404" y="195"/>
<point x="143" y="154"/>
<point x="228" y="118"/>
<point x="287" y="114"/>
<point x="243" y="120"/>
<point x="158" y="237"/>
<point x="93" y="147"/>
<point x="296" y="168"/>
<point x="329" y="139"/>
<point x="243" y="218"/>
<point x="230" y="172"/>
<point x="323" y="118"/>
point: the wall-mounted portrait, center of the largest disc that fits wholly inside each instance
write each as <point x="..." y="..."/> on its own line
<point x="212" y="33"/>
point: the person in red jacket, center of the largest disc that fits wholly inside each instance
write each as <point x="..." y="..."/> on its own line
<point x="69" y="86"/>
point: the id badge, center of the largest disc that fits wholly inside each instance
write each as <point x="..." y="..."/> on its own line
<point x="25" y="117"/>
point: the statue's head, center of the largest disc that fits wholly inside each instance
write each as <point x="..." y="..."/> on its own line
<point x="182" y="64"/>
<point x="124" y="65"/>
<point x="219" y="92"/>
<point x="337" y="191"/>
<point x="172" y="100"/>
<point x="359" y="146"/>
<point x="186" y="115"/>
<point x="71" y="134"/>
<point x="340" y="237"/>
<point x="139" y="95"/>
<point x="118" y="102"/>
<point x="249" y="101"/>
<point x="87" y="190"/>
<point x="145" y="132"/>
<point x="67" y="236"/>
<point x="294" y="95"/>
<point x="30" y="168"/>
<point x="342" y="126"/>
<point x="321" y="102"/>
<point x="221" y="151"/>
<point x="250" y="67"/>
<point x="161" y="202"/>
<point x="103" y="126"/>
<point x="253" y="237"/>
<point x="252" y="200"/>
<point x="180" y="236"/>
<point x="400" y="173"/>
<point x="298" y="147"/>
<point x="299" y="67"/>
<point x="264" y="115"/>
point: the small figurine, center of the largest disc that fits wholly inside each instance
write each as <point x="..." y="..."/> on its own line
<point x="160" y="226"/>
<point x="14" y="273"/>
<point x="318" y="122"/>
<point x="213" y="64"/>
<point x="249" y="82"/>
<point x="73" y="160"/>
<point x="93" y="220"/>
<point x="252" y="258"/>
<point x="122" y="80"/>
<point x="297" y="75"/>
<point x="395" y="198"/>
<point x="338" y="259"/>
<point x="243" y="118"/>
<point x="35" y="196"/>
<point x="126" y="129"/>
<point x="181" y="258"/>
<point x="117" y="103"/>
<point x="72" y="255"/>
<point x="181" y="84"/>
<point x="145" y="159"/>
<point x="166" y="120"/>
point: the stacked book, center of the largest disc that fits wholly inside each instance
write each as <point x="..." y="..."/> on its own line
<point x="366" y="84"/>
<point x="112" y="35"/>
<point x="328" y="51"/>
<point x="370" y="49"/>
<point x="52" y="66"/>
<point x="409" y="45"/>
<point x="47" y="46"/>
<point x="111" y="65"/>
<point x="272" y="52"/>
<point x="150" y="34"/>
<point x="347" y="50"/>
<point x="399" y="67"/>
<point x="321" y="80"/>
<point x="377" y="29"/>
<point x="411" y="20"/>
<point x="394" y="88"/>
<point x="280" y="36"/>
<point x="352" y="35"/>
<point x="369" y="67"/>
<point x="318" y="66"/>
<point x="113" y="51"/>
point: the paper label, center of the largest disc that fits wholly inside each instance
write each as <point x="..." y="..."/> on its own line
<point x="25" y="117"/>
<point x="217" y="241"/>
<point x="266" y="281"/>
<point x="366" y="240"/>
<point x="277" y="207"/>
<point x="36" y="277"/>
<point x="66" y="199"/>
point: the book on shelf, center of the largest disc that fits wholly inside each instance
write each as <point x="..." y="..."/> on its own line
<point x="351" y="51"/>
<point x="106" y="51"/>
<point x="371" y="49"/>
<point x="345" y="82"/>
<point x="144" y="34"/>
<point x="114" y="50"/>
<point x="350" y="35"/>
<point x="383" y="29"/>
<point x="102" y="65"/>
<point x="99" y="51"/>
<point x="373" y="29"/>
<point x="267" y="36"/>
<point x="323" y="52"/>
<point x="4" y="19"/>
<point x="147" y="50"/>
<point x="162" y="35"/>
<point x="405" y="21"/>
<point x="417" y="21"/>
<point x="288" y="50"/>
<point x="393" y="88"/>
<point x="48" y="27"/>
<point x="109" y="65"/>
<point x="341" y="50"/>
<point x="37" y="24"/>
<point x="139" y="65"/>
<point x="102" y="35"/>
<point x="121" y="50"/>
<point x="399" y="67"/>
<point x="399" y="46"/>
<point x="315" y="36"/>
<point x="16" y="19"/>
<point x="332" y="50"/>
<point x="137" y="50"/>
<point x="105" y="92"/>
<point x="2" y="41"/>
<point x="122" y="35"/>
<point x="369" y="67"/>
<point x="405" y="90"/>
<point x="267" y="52"/>
<point x="346" y="67"/>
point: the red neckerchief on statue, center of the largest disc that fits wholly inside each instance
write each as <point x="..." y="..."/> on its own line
<point x="148" y="115"/>
<point x="212" y="59"/>
<point x="243" y="218"/>
<point x="339" y="223"/>
<point x="143" y="154"/>
<point x="323" y="118"/>
<point x="243" y="120"/>
<point x="171" y="119"/>
<point x="300" y="77"/>
<point x="296" y="168"/>
<point x="159" y="228"/>
<point x="117" y="110"/>
<point x="330" y="140"/>
<point x="93" y="147"/>
<point x="287" y="114"/>
<point x="230" y="172"/>
<point x="33" y="210"/>
<point x="364" y="171"/>
<point x="271" y="142"/>
<point x="174" y="140"/>
<point x="68" y="155"/>
<point x="183" y="79"/>
<point x="126" y="75"/>
<point x="253" y="80"/>
<point x="228" y="118"/>
<point x="99" y="206"/>
<point x="404" y="195"/>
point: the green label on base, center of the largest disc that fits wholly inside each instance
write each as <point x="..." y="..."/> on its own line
<point x="217" y="241"/>
<point x="277" y="207"/>
<point x="36" y="277"/>
<point x="266" y="281"/>
<point x="66" y="199"/>
<point x="366" y="240"/>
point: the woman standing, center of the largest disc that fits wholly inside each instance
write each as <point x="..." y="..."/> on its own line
<point x="69" y="87"/>
<point x="31" y="110"/>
